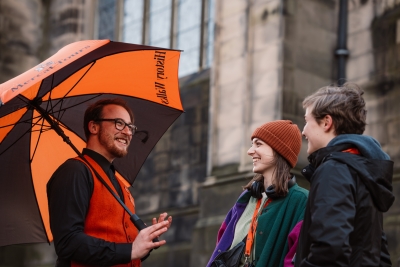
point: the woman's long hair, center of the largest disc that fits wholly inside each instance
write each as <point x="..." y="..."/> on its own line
<point x="280" y="176"/>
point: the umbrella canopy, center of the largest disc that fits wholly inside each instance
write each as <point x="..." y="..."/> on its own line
<point x="57" y="93"/>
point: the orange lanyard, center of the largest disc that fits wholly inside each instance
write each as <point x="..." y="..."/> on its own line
<point x="253" y="228"/>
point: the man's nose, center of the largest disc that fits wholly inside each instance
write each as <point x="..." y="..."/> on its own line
<point x="127" y="131"/>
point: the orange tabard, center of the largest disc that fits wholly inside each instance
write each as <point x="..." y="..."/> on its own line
<point x="106" y="218"/>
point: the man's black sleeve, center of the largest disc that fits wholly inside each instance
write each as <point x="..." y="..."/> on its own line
<point x="69" y="192"/>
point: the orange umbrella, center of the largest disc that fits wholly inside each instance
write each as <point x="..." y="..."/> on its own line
<point x="49" y="100"/>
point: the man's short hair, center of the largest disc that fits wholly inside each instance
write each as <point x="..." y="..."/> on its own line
<point x="95" y="111"/>
<point x="345" y="104"/>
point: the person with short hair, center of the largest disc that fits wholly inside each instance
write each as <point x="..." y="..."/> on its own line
<point x="350" y="183"/>
<point x="90" y="227"/>
<point x="271" y="205"/>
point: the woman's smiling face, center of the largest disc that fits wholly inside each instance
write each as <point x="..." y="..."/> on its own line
<point x="263" y="156"/>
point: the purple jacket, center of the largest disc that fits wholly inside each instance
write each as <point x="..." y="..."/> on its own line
<point x="227" y="229"/>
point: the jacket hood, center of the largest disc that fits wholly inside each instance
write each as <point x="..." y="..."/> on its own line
<point x="375" y="174"/>
<point x="373" y="166"/>
<point x="368" y="146"/>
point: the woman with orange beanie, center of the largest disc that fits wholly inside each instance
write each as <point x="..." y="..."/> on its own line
<point x="256" y="229"/>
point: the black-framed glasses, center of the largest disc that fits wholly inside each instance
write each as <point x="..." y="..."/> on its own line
<point x="120" y="125"/>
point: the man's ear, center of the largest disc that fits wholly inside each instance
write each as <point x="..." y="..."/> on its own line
<point x="93" y="127"/>
<point x="328" y="123"/>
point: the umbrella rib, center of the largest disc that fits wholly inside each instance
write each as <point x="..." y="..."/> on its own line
<point x="37" y="143"/>
<point x="77" y="104"/>
<point x="29" y="130"/>
<point x="19" y="122"/>
<point x="72" y="88"/>
<point x="13" y="124"/>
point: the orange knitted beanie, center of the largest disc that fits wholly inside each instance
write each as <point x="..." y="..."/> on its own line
<point x="282" y="136"/>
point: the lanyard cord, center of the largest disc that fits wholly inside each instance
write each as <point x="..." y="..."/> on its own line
<point x="253" y="228"/>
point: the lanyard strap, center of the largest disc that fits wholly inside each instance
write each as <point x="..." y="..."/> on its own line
<point x="253" y="227"/>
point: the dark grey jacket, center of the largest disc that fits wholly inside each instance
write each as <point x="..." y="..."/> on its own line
<point x="343" y="219"/>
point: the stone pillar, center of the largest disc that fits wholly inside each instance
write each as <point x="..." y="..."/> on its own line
<point x="245" y="85"/>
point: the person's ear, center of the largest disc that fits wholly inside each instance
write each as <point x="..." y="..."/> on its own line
<point x="328" y="123"/>
<point x="93" y="127"/>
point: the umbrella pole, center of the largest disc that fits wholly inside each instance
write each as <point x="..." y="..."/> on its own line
<point x="139" y="224"/>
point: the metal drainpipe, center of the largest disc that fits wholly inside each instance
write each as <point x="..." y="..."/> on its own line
<point x="341" y="52"/>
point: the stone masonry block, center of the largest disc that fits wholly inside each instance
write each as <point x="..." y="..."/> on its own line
<point x="229" y="140"/>
<point x="395" y="209"/>
<point x="394" y="132"/>
<point x="266" y="108"/>
<point x="232" y="94"/>
<point x="316" y="14"/>
<point x="202" y="249"/>
<point x="196" y="134"/>
<point x="180" y="138"/>
<point x="231" y="118"/>
<point x="375" y="130"/>
<point x="266" y="84"/>
<point x="391" y="226"/>
<point x="147" y="203"/>
<point x="221" y="197"/>
<point x="360" y="66"/>
<point x="269" y="58"/>
<point x="314" y="62"/>
<point x="263" y="11"/>
<point x="267" y="33"/>
<point x="231" y="8"/>
<point x="360" y="43"/>
<point x="231" y="49"/>
<point x="232" y="27"/>
<point x="321" y="41"/>
<point x="359" y="19"/>
<point x="232" y="71"/>
<point x="164" y="144"/>
<point x="307" y="83"/>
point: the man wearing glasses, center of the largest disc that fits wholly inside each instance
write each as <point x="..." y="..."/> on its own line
<point x="89" y="226"/>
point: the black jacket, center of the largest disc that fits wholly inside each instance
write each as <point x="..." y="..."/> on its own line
<point x="343" y="219"/>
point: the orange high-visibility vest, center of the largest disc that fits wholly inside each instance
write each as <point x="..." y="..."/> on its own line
<point x="106" y="218"/>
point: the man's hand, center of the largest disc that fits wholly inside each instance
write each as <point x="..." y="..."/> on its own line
<point x="162" y="218"/>
<point x="144" y="241"/>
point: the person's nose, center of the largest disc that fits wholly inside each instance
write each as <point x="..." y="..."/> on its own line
<point x="127" y="131"/>
<point x="250" y="152"/>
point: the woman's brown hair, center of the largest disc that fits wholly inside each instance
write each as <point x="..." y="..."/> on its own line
<point x="280" y="176"/>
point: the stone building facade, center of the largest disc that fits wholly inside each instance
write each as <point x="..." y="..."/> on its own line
<point x="267" y="55"/>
